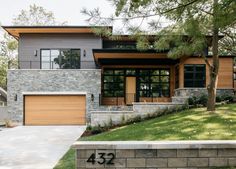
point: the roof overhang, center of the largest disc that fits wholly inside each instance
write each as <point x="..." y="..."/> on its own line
<point x="15" y="31"/>
<point x="117" y="55"/>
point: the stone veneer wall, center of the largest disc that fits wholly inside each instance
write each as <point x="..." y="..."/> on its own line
<point x="79" y="80"/>
<point x="104" y="117"/>
<point x="189" y="92"/>
<point x="157" y="155"/>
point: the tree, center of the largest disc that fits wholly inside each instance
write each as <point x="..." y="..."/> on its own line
<point x="193" y="18"/>
<point x="36" y="16"/>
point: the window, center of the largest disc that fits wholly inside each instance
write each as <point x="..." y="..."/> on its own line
<point x="113" y="83"/>
<point x="60" y="58"/>
<point x="194" y="75"/>
<point x="154" y="83"/>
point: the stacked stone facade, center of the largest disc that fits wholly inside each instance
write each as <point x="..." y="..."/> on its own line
<point x="53" y="81"/>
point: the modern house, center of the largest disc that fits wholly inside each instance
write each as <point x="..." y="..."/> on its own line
<point x="67" y="73"/>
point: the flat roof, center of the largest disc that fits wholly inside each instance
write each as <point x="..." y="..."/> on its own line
<point x="15" y="31"/>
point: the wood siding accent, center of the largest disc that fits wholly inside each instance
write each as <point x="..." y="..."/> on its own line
<point x="130" y="90"/>
<point x="225" y="71"/>
<point x="55" y="110"/>
<point x="130" y="56"/>
<point x="113" y="101"/>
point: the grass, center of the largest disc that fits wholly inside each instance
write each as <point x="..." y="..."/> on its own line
<point x="193" y="124"/>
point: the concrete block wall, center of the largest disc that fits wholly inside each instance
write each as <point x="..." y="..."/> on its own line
<point x="157" y="155"/>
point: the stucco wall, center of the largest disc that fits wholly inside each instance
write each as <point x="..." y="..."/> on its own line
<point x="21" y="81"/>
<point x="28" y="43"/>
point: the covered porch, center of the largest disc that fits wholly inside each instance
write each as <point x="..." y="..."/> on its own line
<point x="130" y="76"/>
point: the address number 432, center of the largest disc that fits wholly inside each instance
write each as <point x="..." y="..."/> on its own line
<point x="103" y="158"/>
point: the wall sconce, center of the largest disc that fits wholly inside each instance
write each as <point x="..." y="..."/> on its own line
<point x="15" y="98"/>
<point x="35" y="53"/>
<point x="84" y="53"/>
<point x="92" y="97"/>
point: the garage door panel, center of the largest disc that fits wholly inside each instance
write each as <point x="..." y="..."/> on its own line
<point x="55" y="110"/>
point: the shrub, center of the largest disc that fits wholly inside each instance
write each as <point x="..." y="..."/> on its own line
<point x="203" y="100"/>
<point x="218" y="99"/>
<point x="89" y="127"/>
<point x="228" y="98"/>
<point x="96" y="130"/>
<point x="192" y="101"/>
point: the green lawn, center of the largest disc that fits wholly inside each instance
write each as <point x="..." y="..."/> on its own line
<point x="193" y="124"/>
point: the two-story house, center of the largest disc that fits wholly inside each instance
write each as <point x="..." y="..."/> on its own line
<point x="66" y="72"/>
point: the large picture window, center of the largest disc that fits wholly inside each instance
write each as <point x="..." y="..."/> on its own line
<point x="60" y="58"/>
<point x="154" y="83"/>
<point x="194" y="75"/>
<point x="113" y="83"/>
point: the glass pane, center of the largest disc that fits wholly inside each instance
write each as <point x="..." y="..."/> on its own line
<point x="155" y="72"/>
<point x="130" y="72"/>
<point x="108" y="78"/>
<point x="165" y="72"/>
<point x="200" y="68"/>
<point x="188" y="68"/>
<point x="108" y="72"/>
<point x="199" y="76"/>
<point x="165" y="78"/>
<point x="119" y="72"/>
<point x="155" y="78"/>
<point x="107" y="86"/>
<point x="118" y="78"/>
<point x="65" y="61"/>
<point x="108" y="93"/>
<point x="165" y="86"/>
<point x="45" y="59"/>
<point x="75" y="59"/>
<point x="155" y="87"/>
<point x="144" y="72"/>
<point x="188" y="75"/>
<point x="119" y="93"/>
<point x="144" y="86"/>
<point x="144" y="79"/>
<point x="55" y="59"/>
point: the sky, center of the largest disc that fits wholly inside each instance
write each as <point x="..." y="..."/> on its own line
<point x="64" y="10"/>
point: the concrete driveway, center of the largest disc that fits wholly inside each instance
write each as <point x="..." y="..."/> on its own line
<point x="36" y="147"/>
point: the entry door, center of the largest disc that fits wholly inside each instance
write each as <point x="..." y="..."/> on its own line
<point x="130" y="90"/>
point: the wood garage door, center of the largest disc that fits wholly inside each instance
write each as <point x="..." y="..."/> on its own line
<point x="54" y="110"/>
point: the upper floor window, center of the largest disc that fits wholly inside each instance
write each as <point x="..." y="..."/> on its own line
<point x="60" y="58"/>
<point x="194" y="75"/>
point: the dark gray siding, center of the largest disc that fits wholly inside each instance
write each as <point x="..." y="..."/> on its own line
<point x="29" y="43"/>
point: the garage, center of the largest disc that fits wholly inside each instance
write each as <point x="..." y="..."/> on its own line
<point x="54" y="109"/>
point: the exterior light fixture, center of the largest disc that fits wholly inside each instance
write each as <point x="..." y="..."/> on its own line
<point x="84" y="53"/>
<point x="92" y="97"/>
<point x="35" y="53"/>
<point x="15" y="98"/>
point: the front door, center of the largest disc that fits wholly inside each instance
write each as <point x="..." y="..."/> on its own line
<point x="130" y="93"/>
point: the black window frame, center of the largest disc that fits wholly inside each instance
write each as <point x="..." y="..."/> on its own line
<point x="113" y="91"/>
<point x="61" y="49"/>
<point x="149" y="92"/>
<point x="194" y="80"/>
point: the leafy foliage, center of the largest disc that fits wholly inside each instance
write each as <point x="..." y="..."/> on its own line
<point x="36" y="16"/>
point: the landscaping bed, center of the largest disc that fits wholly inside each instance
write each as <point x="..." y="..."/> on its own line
<point x="192" y="124"/>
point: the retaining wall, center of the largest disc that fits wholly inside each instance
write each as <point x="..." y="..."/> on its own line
<point x="155" y="155"/>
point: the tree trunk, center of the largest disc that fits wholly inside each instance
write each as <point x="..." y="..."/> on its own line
<point x="214" y="69"/>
